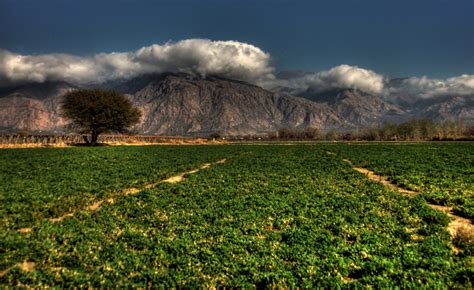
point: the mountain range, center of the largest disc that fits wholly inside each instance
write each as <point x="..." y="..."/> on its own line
<point x="183" y="104"/>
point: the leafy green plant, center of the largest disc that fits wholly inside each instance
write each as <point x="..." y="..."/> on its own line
<point x="270" y="216"/>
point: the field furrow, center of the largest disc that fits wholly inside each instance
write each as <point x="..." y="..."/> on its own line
<point x="269" y="216"/>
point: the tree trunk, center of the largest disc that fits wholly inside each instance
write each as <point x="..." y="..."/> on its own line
<point x="94" y="137"/>
<point x="86" y="139"/>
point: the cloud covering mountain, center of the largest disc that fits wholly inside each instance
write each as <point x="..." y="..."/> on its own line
<point x="339" y="77"/>
<point x="425" y="87"/>
<point x="229" y="59"/>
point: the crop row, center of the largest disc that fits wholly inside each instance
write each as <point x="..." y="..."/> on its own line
<point x="442" y="172"/>
<point x="44" y="183"/>
<point x="269" y="216"/>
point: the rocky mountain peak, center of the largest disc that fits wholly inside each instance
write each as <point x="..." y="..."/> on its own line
<point x="184" y="104"/>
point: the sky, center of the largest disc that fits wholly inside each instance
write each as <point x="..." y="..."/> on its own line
<point x="397" y="38"/>
<point x="427" y="40"/>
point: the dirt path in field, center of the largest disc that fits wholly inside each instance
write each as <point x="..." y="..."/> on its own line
<point x="129" y="191"/>
<point x="458" y="225"/>
<point x="379" y="178"/>
<point x="25" y="266"/>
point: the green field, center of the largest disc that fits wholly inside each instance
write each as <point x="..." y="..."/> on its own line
<point x="443" y="173"/>
<point x="269" y="216"/>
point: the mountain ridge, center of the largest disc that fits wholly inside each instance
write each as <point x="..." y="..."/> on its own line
<point x="183" y="104"/>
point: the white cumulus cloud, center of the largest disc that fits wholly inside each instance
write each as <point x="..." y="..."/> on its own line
<point x="39" y="68"/>
<point x="230" y="59"/>
<point x="346" y="76"/>
<point x="339" y="77"/>
<point x="425" y="87"/>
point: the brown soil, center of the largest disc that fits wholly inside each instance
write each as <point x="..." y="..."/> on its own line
<point x="459" y="225"/>
<point x="130" y="191"/>
<point x="180" y="177"/>
<point x="4" y="272"/>
<point x="174" y="179"/>
<point x="347" y="280"/>
<point x="445" y="209"/>
<point x="61" y="218"/>
<point x="95" y="205"/>
<point x="25" y="266"/>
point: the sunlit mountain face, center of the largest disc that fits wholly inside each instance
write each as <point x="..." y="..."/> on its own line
<point x="189" y="104"/>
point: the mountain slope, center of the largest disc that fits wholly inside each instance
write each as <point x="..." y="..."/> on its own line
<point x="357" y="107"/>
<point x="182" y="104"/>
<point x="175" y="105"/>
<point x="446" y="108"/>
<point x="33" y="107"/>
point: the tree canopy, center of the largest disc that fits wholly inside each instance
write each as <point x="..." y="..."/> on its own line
<point x="92" y="111"/>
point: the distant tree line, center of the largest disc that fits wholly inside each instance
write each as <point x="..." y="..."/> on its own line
<point x="413" y="130"/>
<point x="287" y="133"/>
